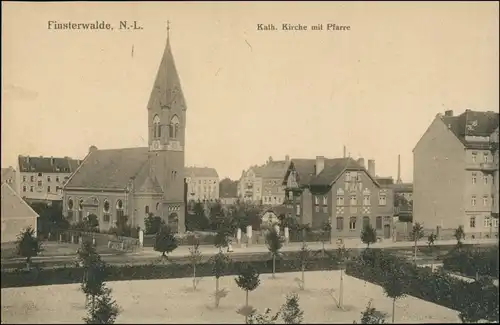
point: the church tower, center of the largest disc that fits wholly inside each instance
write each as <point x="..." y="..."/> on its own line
<point x="166" y="139"/>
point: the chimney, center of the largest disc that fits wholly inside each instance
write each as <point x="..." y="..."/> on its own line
<point x="92" y="148"/>
<point x="345" y="152"/>
<point x="51" y="161"/>
<point x="399" y="170"/>
<point x="448" y="113"/>
<point x="28" y="159"/>
<point x="320" y="164"/>
<point x="361" y="162"/>
<point x="371" y="167"/>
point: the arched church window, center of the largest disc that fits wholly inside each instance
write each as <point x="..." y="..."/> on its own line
<point x="70" y="204"/>
<point x="156" y="126"/>
<point x="119" y="209"/>
<point x="106" y="206"/>
<point x="174" y="127"/>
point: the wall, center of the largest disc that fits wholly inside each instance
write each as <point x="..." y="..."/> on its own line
<point x="438" y="178"/>
<point x="11" y="227"/>
<point x="42" y="193"/>
<point x="204" y="188"/>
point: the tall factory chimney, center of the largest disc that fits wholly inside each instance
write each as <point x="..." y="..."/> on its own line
<point x="345" y="152"/>
<point x="399" y="181"/>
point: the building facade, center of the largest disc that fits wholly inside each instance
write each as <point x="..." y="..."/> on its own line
<point x="340" y="191"/>
<point x="42" y="178"/>
<point x="456" y="173"/>
<point x="135" y="182"/>
<point x="264" y="184"/>
<point x="203" y="184"/>
<point x="9" y="176"/>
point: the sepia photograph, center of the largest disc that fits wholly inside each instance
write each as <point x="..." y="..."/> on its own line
<point x="199" y="162"/>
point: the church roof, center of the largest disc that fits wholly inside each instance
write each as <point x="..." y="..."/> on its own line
<point x="13" y="206"/>
<point x="109" y="168"/>
<point x="47" y="164"/>
<point x="201" y="172"/>
<point x="167" y="89"/>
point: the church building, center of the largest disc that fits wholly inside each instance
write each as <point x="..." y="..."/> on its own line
<point x="135" y="182"/>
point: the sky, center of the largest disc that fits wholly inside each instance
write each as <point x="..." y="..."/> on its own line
<point x="250" y="94"/>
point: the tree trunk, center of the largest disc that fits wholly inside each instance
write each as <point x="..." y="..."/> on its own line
<point x="194" y="276"/>
<point x="415" y="253"/>
<point x="341" y="290"/>
<point x="216" y="292"/>
<point x="246" y="304"/>
<point x="274" y="266"/>
<point x="393" y="308"/>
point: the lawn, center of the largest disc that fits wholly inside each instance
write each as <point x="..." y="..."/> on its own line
<point x="173" y="301"/>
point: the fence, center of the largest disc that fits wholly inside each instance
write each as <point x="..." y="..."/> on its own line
<point x="98" y="239"/>
<point x="403" y="230"/>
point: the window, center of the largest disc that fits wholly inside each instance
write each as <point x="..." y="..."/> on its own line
<point x="106" y="206"/>
<point x="485" y="157"/>
<point x="474" y="156"/>
<point x="158" y="206"/>
<point x="48" y="189"/>
<point x="105" y="217"/>
<point x="31" y="188"/>
<point x="352" y="223"/>
<point x="316" y="208"/>
<point x="382" y="199"/>
<point x="473" y="200"/>
<point x="70" y="204"/>
<point x="290" y="195"/>
<point x="24" y="188"/>
<point x="325" y="200"/>
<point x="474" y="178"/>
<point x="494" y="223"/>
<point x="174" y="127"/>
<point x="354" y="200"/>
<point x="366" y="199"/>
<point x="485" y="179"/>
<point x="316" y="200"/>
<point x="340" y="223"/>
<point x="39" y="174"/>
<point x="485" y="200"/>
<point x="347" y="177"/>
<point x="39" y="184"/>
<point x="340" y="200"/>
<point x="472" y="222"/>
<point x="156" y="127"/>
<point x="32" y="178"/>
<point x="119" y="210"/>
<point x="366" y="221"/>
<point x="146" y="209"/>
<point x="57" y="179"/>
<point x="487" y="222"/>
<point x="298" y="210"/>
<point x="48" y="178"/>
<point x="378" y="223"/>
<point x="24" y="178"/>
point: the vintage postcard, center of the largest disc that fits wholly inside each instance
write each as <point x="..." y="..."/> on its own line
<point x="249" y="162"/>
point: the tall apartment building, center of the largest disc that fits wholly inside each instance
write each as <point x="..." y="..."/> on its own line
<point x="264" y="184"/>
<point x="340" y="191"/>
<point x="42" y="178"/>
<point x="202" y="184"/>
<point x="455" y="178"/>
<point x="9" y="176"/>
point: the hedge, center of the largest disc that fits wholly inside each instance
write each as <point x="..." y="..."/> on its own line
<point x="469" y="261"/>
<point x="66" y="275"/>
<point x="436" y="287"/>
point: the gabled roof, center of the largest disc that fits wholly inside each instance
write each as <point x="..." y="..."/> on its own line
<point x="200" y="172"/>
<point x="472" y="123"/>
<point x="13" y="206"/>
<point x="6" y="172"/>
<point x="47" y="164"/>
<point x="109" y="169"/>
<point x="167" y="89"/>
<point x="273" y="169"/>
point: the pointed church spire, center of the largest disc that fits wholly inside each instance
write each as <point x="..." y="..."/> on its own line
<point x="167" y="92"/>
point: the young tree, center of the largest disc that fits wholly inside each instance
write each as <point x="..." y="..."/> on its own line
<point x="459" y="235"/>
<point x="95" y="273"/>
<point x="303" y="259"/>
<point x="342" y="255"/>
<point x="326" y="229"/>
<point x="290" y="311"/>
<point x="28" y="245"/>
<point x="220" y="262"/>
<point x="394" y="286"/>
<point x="105" y="310"/>
<point x="372" y="316"/>
<point x="195" y="259"/>
<point x="224" y="232"/>
<point x="417" y="233"/>
<point x="368" y="235"/>
<point x="165" y="241"/>
<point x="430" y="244"/>
<point x="248" y="280"/>
<point x="274" y="244"/>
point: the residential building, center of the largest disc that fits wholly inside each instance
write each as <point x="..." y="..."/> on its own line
<point x="263" y="184"/>
<point x="16" y="214"/>
<point x="203" y="184"/>
<point x="9" y="176"/>
<point x="340" y="191"/>
<point x="455" y="180"/>
<point x="42" y="178"/>
<point x="135" y="182"/>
